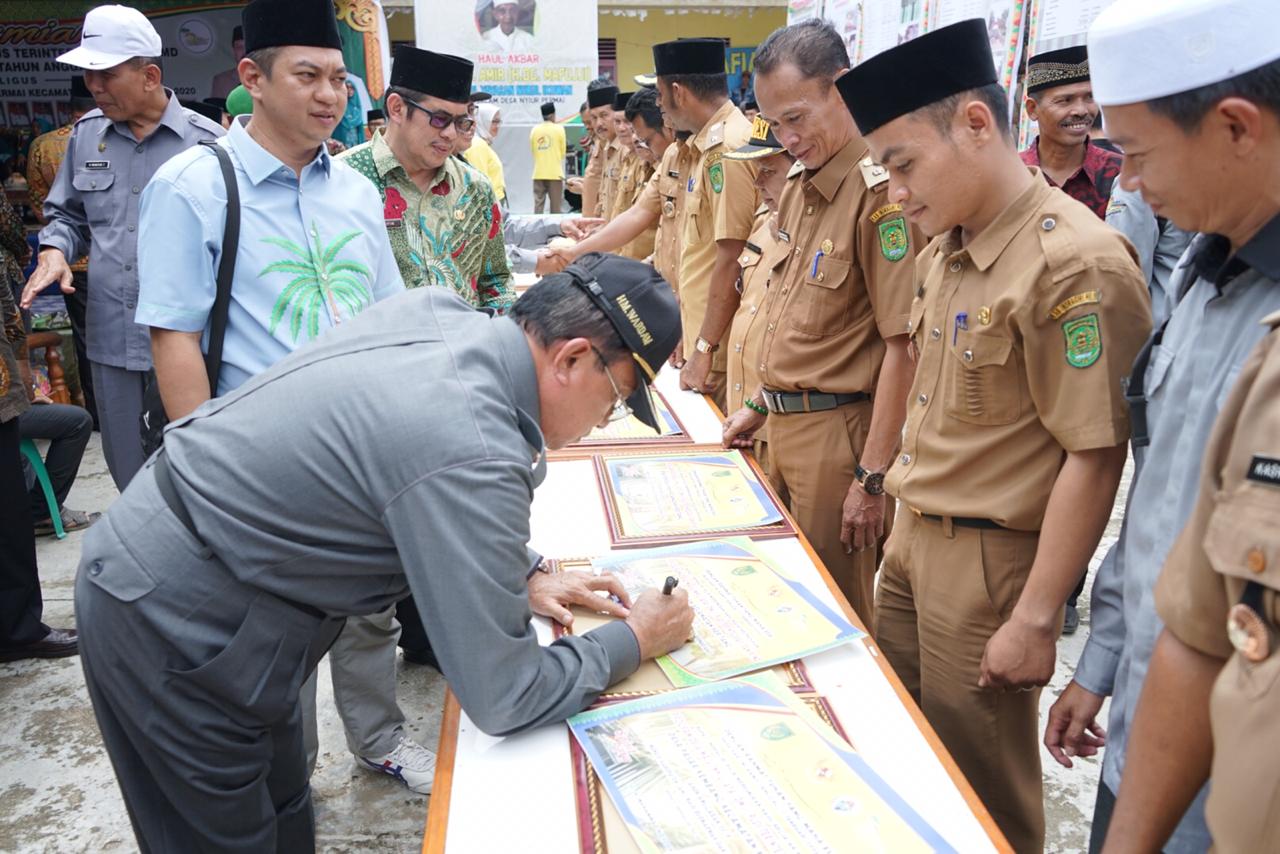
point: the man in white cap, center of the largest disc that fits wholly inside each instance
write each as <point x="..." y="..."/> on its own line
<point x="93" y="207"/>
<point x="1190" y="90"/>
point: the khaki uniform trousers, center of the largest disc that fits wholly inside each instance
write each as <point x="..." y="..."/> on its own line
<point x="813" y="456"/>
<point x="944" y="591"/>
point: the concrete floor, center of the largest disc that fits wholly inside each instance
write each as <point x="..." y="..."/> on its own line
<point x="58" y="793"/>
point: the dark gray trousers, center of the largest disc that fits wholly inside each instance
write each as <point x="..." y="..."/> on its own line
<point x="194" y="678"/>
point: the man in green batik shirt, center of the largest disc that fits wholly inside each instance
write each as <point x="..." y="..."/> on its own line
<point x="441" y="215"/>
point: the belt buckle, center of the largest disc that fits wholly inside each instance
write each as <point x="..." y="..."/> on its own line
<point x="772" y="400"/>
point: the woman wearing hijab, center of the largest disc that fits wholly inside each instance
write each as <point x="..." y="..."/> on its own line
<point x="350" y="130"/>
<point x="481" y="154"/>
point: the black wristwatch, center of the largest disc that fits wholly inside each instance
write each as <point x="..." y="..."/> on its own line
<point x="872" y="481"/>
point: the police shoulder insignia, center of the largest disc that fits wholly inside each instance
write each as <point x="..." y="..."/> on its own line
<point x="893" y="238"/>
<point x="1084" y="340"/>
<point x="873" y="173"/>
<point x="715" y="174"/>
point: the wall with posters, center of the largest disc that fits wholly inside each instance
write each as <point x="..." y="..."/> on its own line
<point x="635" y="31"/>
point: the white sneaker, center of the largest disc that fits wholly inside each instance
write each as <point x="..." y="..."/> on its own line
<point x="410" y="763"/>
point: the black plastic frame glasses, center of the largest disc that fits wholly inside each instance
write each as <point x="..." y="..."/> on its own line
<point x="441" y="120"/>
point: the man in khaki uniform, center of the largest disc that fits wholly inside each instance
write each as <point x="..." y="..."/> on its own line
<point x="1208" y="709"/>
<point x="693" y="92"/>
<point x="834" y="368"/>
<point x="634" y="176"/>
<point x="1027" y="316"/>
<point x="598" y="98"/>
<point x="611" y="155"/>
<point x="758" y="259"/>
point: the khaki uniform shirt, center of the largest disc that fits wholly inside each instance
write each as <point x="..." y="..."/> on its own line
<point x="845" y="282"/>
<point x="1024" y="336"/>
<point x="591" y="179"/>
<point x="664" y="196"/>
<point x="1233" y="539"/>
<point x="746" y="336"/>
<point x="609" y="177"/>
<point x="635" y="177"/>
<point x="720" y="204"/>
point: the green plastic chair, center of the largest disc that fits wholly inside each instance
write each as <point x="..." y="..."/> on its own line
<point x="32" y="453"/>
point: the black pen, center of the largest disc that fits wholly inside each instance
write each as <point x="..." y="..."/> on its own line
<point x="672" y="581"/>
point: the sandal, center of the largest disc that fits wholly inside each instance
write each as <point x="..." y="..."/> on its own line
<point x="72" y="520"/>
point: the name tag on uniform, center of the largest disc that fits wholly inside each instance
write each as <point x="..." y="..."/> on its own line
<point x="395" y="223"/>
<point x="783" y="236"/>
<point x="672" y="174"/>
<point x="97" y="164"/>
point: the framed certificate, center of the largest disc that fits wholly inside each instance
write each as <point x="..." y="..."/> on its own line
<point x="656" y="498"/>
<point x="633" y="431"/>
<point x="749" y="615"/>
<point x="743" y="763"/>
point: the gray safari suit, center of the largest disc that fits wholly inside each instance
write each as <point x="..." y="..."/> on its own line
<point x="407" y="462"/>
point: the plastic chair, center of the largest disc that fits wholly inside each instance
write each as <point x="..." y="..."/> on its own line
<point x="32" y="453"/>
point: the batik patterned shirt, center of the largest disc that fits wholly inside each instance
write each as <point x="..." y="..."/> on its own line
<point x="1091" y="183"/>
<point x="450" y="235"/>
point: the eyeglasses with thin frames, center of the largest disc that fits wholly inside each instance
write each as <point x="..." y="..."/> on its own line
<point x="620" y="408"/>
<point x="441" y="120"/>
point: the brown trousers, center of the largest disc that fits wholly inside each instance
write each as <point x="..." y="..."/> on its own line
<point x="543" y="190"/>
<point x="944" y="591"/>
<point x="813" y="455"/>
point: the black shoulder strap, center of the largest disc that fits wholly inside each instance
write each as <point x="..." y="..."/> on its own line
<point x="226" y="266"/>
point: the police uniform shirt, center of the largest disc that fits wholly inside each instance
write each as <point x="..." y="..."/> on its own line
<point x="720" y="204"/>
<point x="1220" y="594"/>
<point x="92" y="209"/>
<point x="845" y="282"/>
<point x="1024" y="338"/>
<point x="746" y="335"/>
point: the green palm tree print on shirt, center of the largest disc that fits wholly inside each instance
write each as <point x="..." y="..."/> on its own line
<point x="319" y="274"/>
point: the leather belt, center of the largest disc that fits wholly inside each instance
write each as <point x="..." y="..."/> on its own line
<point x="164" y="482"/>
<point x="962" y="521"/>
<point x="782" y="402"/>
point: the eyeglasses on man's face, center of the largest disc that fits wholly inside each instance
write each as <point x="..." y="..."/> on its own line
<point x="620" y="408"/>
<point x="441" y="120"/>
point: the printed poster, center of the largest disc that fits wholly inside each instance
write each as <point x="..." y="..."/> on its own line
<point x="747" y="614"/>
<point x="889" y="23"/>
<point x="743" y="765"/>
<point x="846" y="17"/>
<point x="1004" y="20"/>
<point x="526" y="53"/>
<point x="632" y="430"/>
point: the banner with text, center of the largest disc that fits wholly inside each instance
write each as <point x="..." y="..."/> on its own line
<point x="526" y="53"/>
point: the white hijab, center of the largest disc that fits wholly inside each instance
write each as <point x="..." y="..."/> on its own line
<point x="485" y="114"/>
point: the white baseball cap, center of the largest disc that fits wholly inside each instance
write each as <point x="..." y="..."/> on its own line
<point x="111" y="35"/>
<point x="1140" y="50"/>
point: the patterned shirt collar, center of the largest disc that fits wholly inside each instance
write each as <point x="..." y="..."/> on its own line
<point x="385" y="162"/>
<point x="259" y="164"/>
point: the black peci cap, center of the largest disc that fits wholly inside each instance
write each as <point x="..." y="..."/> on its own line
<point x="1057" y="68"/>
<point x="620" y="100"/>
<point x="689" y="56"/>
<point x="478" y="96"/>
<point x="436" y="74"/>
<point x="548" y="109"/>
<point x="918" y="73"/>
<point x="602" y="97"/>
<point x="237" y="33"/>
<point x="375" y="116"/>
<point x="280" y="23"/>
<point x="642" y="308"/>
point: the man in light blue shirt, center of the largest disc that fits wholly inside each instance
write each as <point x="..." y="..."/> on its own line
<point x="313" y="253"/>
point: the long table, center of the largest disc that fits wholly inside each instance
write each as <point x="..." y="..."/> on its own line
<point x="517" y="793"/>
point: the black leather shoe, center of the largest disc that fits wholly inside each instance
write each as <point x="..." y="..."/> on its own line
<point x="59" y="643"/>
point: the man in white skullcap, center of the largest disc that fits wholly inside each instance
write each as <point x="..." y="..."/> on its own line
<point x="1190" y="89"/>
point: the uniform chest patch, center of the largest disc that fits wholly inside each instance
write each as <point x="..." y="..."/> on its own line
<point x="1084" y="340"/>
<point x="1264" y="470"/>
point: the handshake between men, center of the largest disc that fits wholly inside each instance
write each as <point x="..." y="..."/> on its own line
<point x="553" y="259"/>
